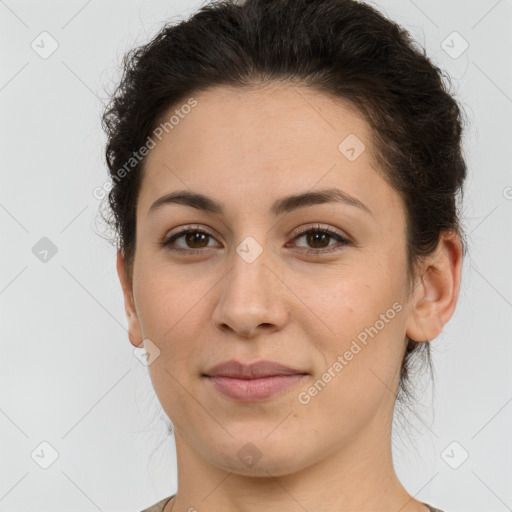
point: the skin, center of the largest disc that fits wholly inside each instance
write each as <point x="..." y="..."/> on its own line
<point x="246" y="149"/>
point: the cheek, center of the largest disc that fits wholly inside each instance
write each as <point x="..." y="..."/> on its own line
<point x="169" y="299"/>
<point x="175" y="313"/>
<point x="361" y="318"/>
<point x="170" y="312"/>
<point x="359" y="364"/>
<point x="342" y="303"/>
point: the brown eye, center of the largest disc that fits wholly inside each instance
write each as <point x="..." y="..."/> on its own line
<point x="318" y="240"/>
<point x="193" y="241"/>
<point x="196" y="239"/>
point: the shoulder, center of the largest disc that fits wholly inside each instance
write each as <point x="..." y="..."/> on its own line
<point x="158" y="507"/>
<point x="433" y="509"/>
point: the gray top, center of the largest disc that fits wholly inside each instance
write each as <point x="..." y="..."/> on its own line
<point x="158" y="507"/>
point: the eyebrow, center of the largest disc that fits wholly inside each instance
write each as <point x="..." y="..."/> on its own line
<point x="280" y="206"/>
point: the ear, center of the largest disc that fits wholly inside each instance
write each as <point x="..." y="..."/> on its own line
<point x="134" y="329"/>
<point x="436" y="294"/>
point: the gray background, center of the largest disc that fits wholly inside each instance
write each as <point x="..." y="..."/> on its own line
<point x="68" y="376"/>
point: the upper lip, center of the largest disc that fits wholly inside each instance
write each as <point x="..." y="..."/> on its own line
<point x="235" y="369"/>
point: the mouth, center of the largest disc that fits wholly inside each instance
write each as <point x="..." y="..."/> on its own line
<point x="252" y="382"/>
<point x="253" y="390"/>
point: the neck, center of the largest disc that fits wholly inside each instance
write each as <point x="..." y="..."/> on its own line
<point x="354" y="477"/>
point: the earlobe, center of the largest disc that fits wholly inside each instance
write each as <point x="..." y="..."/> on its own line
<point x="435" y="296"/>
<point x="134" y="329"/>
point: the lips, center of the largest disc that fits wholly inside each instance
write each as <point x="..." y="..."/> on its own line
<point x="252" y="382"/>
<point x="256" y="370"/>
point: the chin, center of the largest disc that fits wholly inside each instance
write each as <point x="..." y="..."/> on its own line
<point x="259" y="459"/>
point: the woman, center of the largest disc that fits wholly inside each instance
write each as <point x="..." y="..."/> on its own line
<point x="285" y="182"/>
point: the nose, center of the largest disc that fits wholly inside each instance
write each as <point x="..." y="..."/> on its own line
<point x="252" y="298"/>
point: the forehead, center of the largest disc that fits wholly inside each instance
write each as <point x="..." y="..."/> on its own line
<point x="246" y="144"/>
<point x="268" y="122"/>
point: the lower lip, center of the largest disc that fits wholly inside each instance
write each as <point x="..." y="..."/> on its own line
<point x="252" y="390"/>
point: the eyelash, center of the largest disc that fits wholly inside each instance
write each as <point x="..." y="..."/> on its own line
<point x="166" y="242"/>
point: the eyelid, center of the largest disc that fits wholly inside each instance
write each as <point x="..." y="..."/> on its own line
<point x="180" y="230"/>
<point x="320" y="227"/>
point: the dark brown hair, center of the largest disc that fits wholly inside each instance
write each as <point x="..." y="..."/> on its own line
<point x="343" y="48"/>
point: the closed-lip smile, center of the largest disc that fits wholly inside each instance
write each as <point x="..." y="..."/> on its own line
<point x="252" y="382"/>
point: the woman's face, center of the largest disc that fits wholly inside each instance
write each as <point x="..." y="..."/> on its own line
<point x="255" y="288"/>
